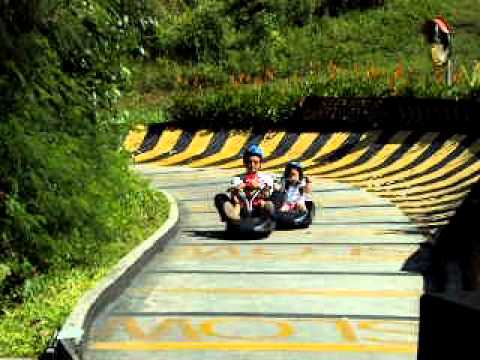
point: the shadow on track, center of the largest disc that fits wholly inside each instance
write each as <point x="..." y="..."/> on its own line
<point x="225" y="235"/>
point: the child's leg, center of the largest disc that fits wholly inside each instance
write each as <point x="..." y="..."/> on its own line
<point x="265" y="206"/>
<point x="268" y="207"/>
<point x="301" y="206"/>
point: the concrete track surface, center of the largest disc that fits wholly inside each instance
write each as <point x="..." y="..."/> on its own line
<point x="333" y="291"/>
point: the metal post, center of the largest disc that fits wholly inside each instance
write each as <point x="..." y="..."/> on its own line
<point x="450" y="63"/>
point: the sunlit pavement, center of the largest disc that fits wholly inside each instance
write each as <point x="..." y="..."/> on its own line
<point x="333" y="291"/>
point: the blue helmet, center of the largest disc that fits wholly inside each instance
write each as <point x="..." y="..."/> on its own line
<point x="253" y="150"/>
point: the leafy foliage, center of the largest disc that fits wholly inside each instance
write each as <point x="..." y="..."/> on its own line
<point x="65" y="188"/>
<point x="196" y="35"/>
<point x="297" y="38"/>
<point x="292" y="49"/>
<point x="278" y="101"/>
<point x="49" y="296"/>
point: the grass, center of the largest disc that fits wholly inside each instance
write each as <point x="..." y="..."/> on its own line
<point x="26" y="328"/>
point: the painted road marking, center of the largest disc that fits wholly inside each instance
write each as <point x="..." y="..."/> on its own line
<point x="298" y="148"/>
<point x="135" y="138"/>
<point x="334" y="143"/>
<point x="330" y="234"/>
<point x="404" y="161"/>
<point x="156" y="333"/>
<point x="385" y="152"/>
<point x="235" y="346"/>
<point x="199" y="143"/>
<point x="358" y="151"/>
<point x="330" y="294"/>
<point x="299" y="252"/>
<point x="235" y="141"/>
<point x="281" y="292"/>
<point x="165" y="144"/>
<point x="268" y="144"/>
<point x="271" y="258"/>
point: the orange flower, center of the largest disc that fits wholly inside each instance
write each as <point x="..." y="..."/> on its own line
<point x="399" y="71"/>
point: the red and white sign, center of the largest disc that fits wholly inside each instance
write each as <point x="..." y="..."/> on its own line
<point x="443" y="24"/>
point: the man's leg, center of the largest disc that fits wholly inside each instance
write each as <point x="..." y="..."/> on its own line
<point x="232" y="210"/>
<point x="226" y="208"/>
<point x="220" y="200"/>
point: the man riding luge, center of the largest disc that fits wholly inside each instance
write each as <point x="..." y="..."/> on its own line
<point x="251" y="184"/>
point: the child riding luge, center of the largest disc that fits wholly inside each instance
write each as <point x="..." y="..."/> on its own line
<point x="295" y="189"/>
<point x="244" y="187"/>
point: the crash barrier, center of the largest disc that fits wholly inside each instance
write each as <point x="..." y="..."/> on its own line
<point x="444" y="333"/>
<point x="426" y="174"/>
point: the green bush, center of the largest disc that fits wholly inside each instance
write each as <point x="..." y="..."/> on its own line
<point x="288" y="12"/>
<point x="63" y="182"/>
<point x="270" y="103"/>
<point x="50" y="295"/>
<point x="196" y="35"/>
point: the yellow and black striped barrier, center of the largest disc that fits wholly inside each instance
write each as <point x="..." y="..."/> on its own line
<point x="427" y="175"/>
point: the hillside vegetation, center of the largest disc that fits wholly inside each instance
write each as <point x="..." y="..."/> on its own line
<point x="69" y="206"/>
<point x="210" y="53"/>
